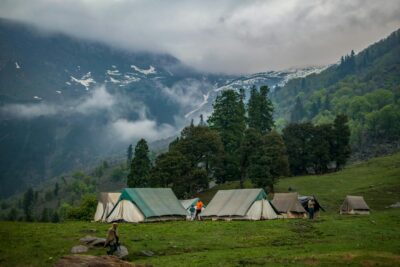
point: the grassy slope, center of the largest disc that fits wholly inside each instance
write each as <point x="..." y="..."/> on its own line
<point x="332" y="240"/>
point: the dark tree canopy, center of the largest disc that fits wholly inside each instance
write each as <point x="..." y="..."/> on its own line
<point x="140" y="165"/>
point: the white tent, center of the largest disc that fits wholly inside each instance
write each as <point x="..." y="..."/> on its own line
<point x="106" y="203"/>
<point x="240" y="204"/>
<point x="147" y="204"/>
<point x="187" y="203"/>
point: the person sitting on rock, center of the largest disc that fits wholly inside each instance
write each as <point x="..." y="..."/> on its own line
<point x="112" y="240"/>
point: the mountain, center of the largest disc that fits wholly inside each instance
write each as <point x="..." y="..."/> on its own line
<point x="365" y="86"/>
<point x="67" y="103"/>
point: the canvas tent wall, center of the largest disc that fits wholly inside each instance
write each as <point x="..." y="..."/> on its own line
<point x="147" y="204"/>
<point x="354" y="205"/>
<point x="187" y="203"/>
<point x="289" y="205"/>
<point x="106" y="202"/>
<point x="240" y="204"/>
<point x="304" y="202"/>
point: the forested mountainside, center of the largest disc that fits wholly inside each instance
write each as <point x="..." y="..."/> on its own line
<point x="68" y="103"/>
<point x="364" y="86"/>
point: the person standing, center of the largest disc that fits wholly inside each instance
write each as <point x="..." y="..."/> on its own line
<point x="192" y="212"/>
<point x="199" y="207"/>
<point x="112" y="240"/>
<point x="311" y="208"/>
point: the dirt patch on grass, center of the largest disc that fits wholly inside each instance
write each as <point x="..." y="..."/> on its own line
<point x="311" y="261"/>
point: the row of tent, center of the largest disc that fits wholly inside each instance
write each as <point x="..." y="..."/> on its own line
<point x="161" y="204"/>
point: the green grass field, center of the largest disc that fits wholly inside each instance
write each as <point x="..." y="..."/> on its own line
<point x="331" y="240"/>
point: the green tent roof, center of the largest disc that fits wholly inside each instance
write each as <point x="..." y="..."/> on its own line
<point x="154" y="202"/>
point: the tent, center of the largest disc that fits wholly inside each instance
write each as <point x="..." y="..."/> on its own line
<point x="289" y="205"/>
<point x="304" y="202"/>
<point x="105" y="204"/>
<point x="147" y="204"/>
<point x="240" y="204"/>
<point x="354" y="205"/>
<point x="187" y="203"/>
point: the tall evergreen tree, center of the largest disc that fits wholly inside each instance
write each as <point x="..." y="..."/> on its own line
<point x="298" y="111"/>
<point x="266" y="110"/>
<point x="56" y="189"/>
<point x="276" y="150"/>
<point x="140" y="165"/>
<point x="28" y="202"/>
<point x="260" y="110"/>
<point x="129" y="154"/>
<point x="341" y="145"/>
<point x="250" y="144"/>
<point x="228" y="119"/>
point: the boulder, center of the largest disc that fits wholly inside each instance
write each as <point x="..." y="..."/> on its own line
<point x="92" y="261"/>
<point x="147" y="253"/>
<point x="79" y="249"/>
<point x="97" y="242"/>
<point x="122" y="252"/>
<point x="87" y="239"/>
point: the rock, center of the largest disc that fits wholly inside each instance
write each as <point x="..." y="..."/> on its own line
<point x="395" y="205"/>
<point x="122" y="252"/>
<point x="87" y="239"/>
<point x="147" y="253"/>
<point x="79" y="249"/>
<point x="92" y="261"/>
<point x="97" y="242"/>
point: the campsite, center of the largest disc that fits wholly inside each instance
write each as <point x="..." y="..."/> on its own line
<point x="330" y="240"/>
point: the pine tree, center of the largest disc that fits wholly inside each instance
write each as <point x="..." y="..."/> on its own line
<point x="129" y="154"/>
<point x="250" y="144"/>
<point x="253" y="109"/>
<point x="56" y="189"/>
<point x="341" y="145"/>
<point x="298" y="111"/>
<point x="228" y="119"/>
<point x="276" y="150"/>
<point x="266" y="110"/>
<point x="45" y="217"/>
<point x="140" y="166"/>
<point x="28" y="201"/>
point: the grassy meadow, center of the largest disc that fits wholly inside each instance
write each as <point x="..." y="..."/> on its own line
<point x="331" y="240"/>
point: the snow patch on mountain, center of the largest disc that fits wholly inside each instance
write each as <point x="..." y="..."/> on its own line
<point x="37" y="97"/>
<point x="205" y="101"/>
<point x="86" y="80"/>
<point x="113" y="72"/>
<point x="58" y="92"/>
<point x="17" y="66"/>
<point x="150" y="70"/>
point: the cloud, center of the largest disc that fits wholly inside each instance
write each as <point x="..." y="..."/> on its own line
<point x="221" y="36"/>
<point x="126" y="130"/>
<point x="29" y="111"/>
<point x="97" y="100"/>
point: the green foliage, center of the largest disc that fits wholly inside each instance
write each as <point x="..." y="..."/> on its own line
<point x="45" y="217"/>
<point x="140" y="166"/>
<point x="341" y="137"/>
<point x="84" y="211"/>
<point x="228" y="119"/>
<point x="275" y="149"/>
<point x="12" y="214"/>
<point x="365" y="87"/>
<point x="118" y="174"/>
<point x="259" y="110"/>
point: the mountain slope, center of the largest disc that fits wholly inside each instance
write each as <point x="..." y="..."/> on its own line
<point x="67" y="103"/>
<point x="365" y="86"/>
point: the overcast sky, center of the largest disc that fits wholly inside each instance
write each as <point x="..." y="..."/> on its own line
<point x="221" y="36"/>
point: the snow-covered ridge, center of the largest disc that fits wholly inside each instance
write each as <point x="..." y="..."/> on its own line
<point x="150" y="70"/>
<point x="205" y="101"/>
<point x="17" y="66"/>
<point x="86" y="80"/>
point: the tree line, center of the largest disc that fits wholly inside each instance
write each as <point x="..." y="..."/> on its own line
<point x="239" y="142"/>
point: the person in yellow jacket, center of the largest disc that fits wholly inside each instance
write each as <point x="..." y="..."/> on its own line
<point x="112" y="240"/>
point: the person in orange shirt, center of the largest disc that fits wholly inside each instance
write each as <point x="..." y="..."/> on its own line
<point x="199" y="207"/>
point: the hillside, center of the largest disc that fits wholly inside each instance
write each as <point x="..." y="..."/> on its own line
<point x="365" y="86"/>
<point x="331" y="240"/>
<point x="68" y="103"/>
<point x="378" y="180"/>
